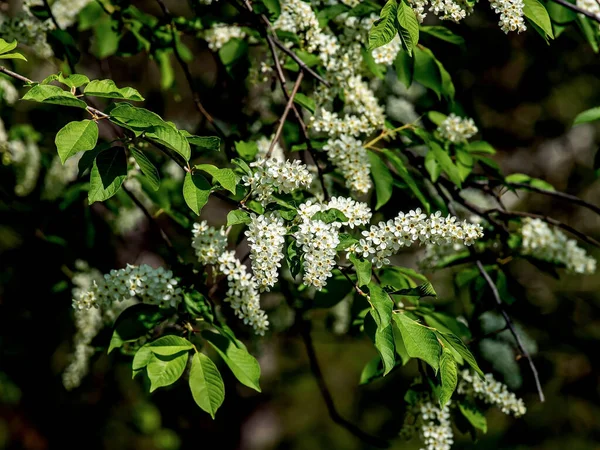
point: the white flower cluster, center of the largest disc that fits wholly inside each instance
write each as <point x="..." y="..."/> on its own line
<point x="25" y="158"/>
<point x="511" y="14"/>
<point x="351" y="158"/>
<point x="385" y="239"/>
<point x="298" y="17"/>
<point x="318" y="241"/>
<point x="271" y="176"/>
<point x="208" y="242"/>
<point x="266" y="235"/>
<point x="66" y="11"/>
<point x="432" y="423"/>
<point x="59" y="176"/>
<point x="243" y="293"/>
<point x="545" y="243"/>
<point x="88" y="323"/>
<point x="444" y="9"/>
<point x="149" y="285"/>
<point x="8" y="91"/>
<point x="264" y="144"/>
<point x="358" y="213"/>
<point x="491" y="392"/>
<point x="210" y="246"/>
<point x="220" y="34"/>
<point x="28" y="31"/>
<point x="457" y="129"/>
<point x="386" y="54"/>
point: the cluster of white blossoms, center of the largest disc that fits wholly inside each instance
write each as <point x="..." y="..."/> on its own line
<point x="386" y="54"/>
<point x="352" y="159"/>
<point x="220" y="34"/>
<point x="491" y="392"/>
<point x="432" y="424"/>
<point x="243" y="294"/>
<point x="266" y="236"/>
<point x="8" y="92"/>
<point x="386" y="238"/>
<point x="271" y="176"/>
<point x="264" y="144"/>
<point x="444" y="9"/>
<point x="298" y="17"/>
<point x="457" y="129"/>
<point x="28" y="30"/>
<point x="149" y="285"/>
<point x="208" y="242"/>
<point x="59" y="176"/>
<point x="511" y="14"/>
<point x="544" y="243"/>
<point x="64" y="11"/>
<point x="357" y="213"/>
<point x="25" y="158"/>
<point x="590" y="6"/>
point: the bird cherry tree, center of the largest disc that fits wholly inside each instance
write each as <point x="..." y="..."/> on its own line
<point x="324" y="188"/>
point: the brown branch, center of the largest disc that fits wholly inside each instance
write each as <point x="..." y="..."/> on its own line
<point x="577" y="9"/>
<point x="512" y="329"/>
<point x="286" y="111"/>
<point x="16" y="76"/>
<point x="188" y="73"/>
<point x="326" y="394"/>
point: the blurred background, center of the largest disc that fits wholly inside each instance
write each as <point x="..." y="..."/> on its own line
<point x="523" y="95"/>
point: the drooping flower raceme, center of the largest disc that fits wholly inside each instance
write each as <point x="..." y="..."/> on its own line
<point x="243" y="293"/>
<point x="431" y="422"/>
<point x="220" y="34"/>
<point x="511" y="14"/>
<point x="457" y="129"/>
<point x="491" y="392"/>
<point x="149" y="285"/>
<point x="386" y="238"/>
<point x="351" y="158"/>
<point x="386" y="54"/>
<point x="276" y="176"/>
<point x="543" y="242"/>
<point x="208" y="242"/>
<point x="266" y="236"/>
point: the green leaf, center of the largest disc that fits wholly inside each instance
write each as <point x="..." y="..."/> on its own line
<point x="232" y="51"/>
<point x="423" y="290"/>
<point x="169" y="345"/>
<point x="73" y="81"/>
<point x="363" y="269"/>
<point x="141" y="359"/>
<point x="76" y="137"/>
<point x="382" y="336"/>
<point x="457" y="344"/>
<point x="383" y="179"/>
<point x="407" y="178"/>
<point x="108" y="89"/>
<point x="432" y="166"/>
<point x="165" y="370"/>
<point x="133" y="323"/>
<point x="346" y="241"/>
<point x="408" y="27"/>
<point x="236" y="217"/>
<point x="420" y="341"/>
<point x="247" y="150"/>
<point x="590" y="115"/>
<point x="384" y="30"/>
<point x="134" y="118"/>
<point x="206" y="384"/>
<point x="6" y="47"/>
<point x="536" y="12"/>
<point x="305" y="102"/>
<point x="372" y="370"/>
<point x="171" y="138"/>
<point x="432" y="74"/>
<point x="473" y="415"/>
<point x="225" y="177"/>
<point x="404" y="65"/>
<point x="448" y="375"/>
<point x="13" y="56"/>
<point x="205" y="142"/>
<point x="243" y="365"/>
<point x="329" y="216"/>
<point x="590" y="31"/>
<point x="436" y="117"/>
<point x="196" y="190"/>
<point x="522" y="178"/>
<point x="45" y="93"/>
<point x="108" y="174"/>
<point x="148" y="169"/>
<point x="446" y="163"/>
<point x="480" y="147"/>
<point x="444" y="34"/>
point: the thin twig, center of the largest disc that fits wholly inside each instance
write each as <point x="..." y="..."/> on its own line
<point x="188" y="73"/>
<point x="511" y="327"/>
<point x="51" y="14"/>
<point x="16" y="76"/>
<point x="577" y="9"/>
<point x="286" y="111"/>
<point x="333" y="413"/>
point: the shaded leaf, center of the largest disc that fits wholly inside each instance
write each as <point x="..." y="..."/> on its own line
<point x="206" y="384"/>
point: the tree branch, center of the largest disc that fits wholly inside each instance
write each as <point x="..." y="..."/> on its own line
<point x="288" y="106"/>
<point x="333" y="413"/>
<point x="512" y="329"/>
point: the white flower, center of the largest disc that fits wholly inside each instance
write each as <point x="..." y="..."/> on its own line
<point x="220" y="34"/>
<point x="266" y="235"/>
<point x="511" y="14"/>
<point x="351" y="158"/>
<point x="457" y="129"/>
<point x="492" y="392"/>
<point x="208" y="242"/>
<point x="271" y="176"/>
